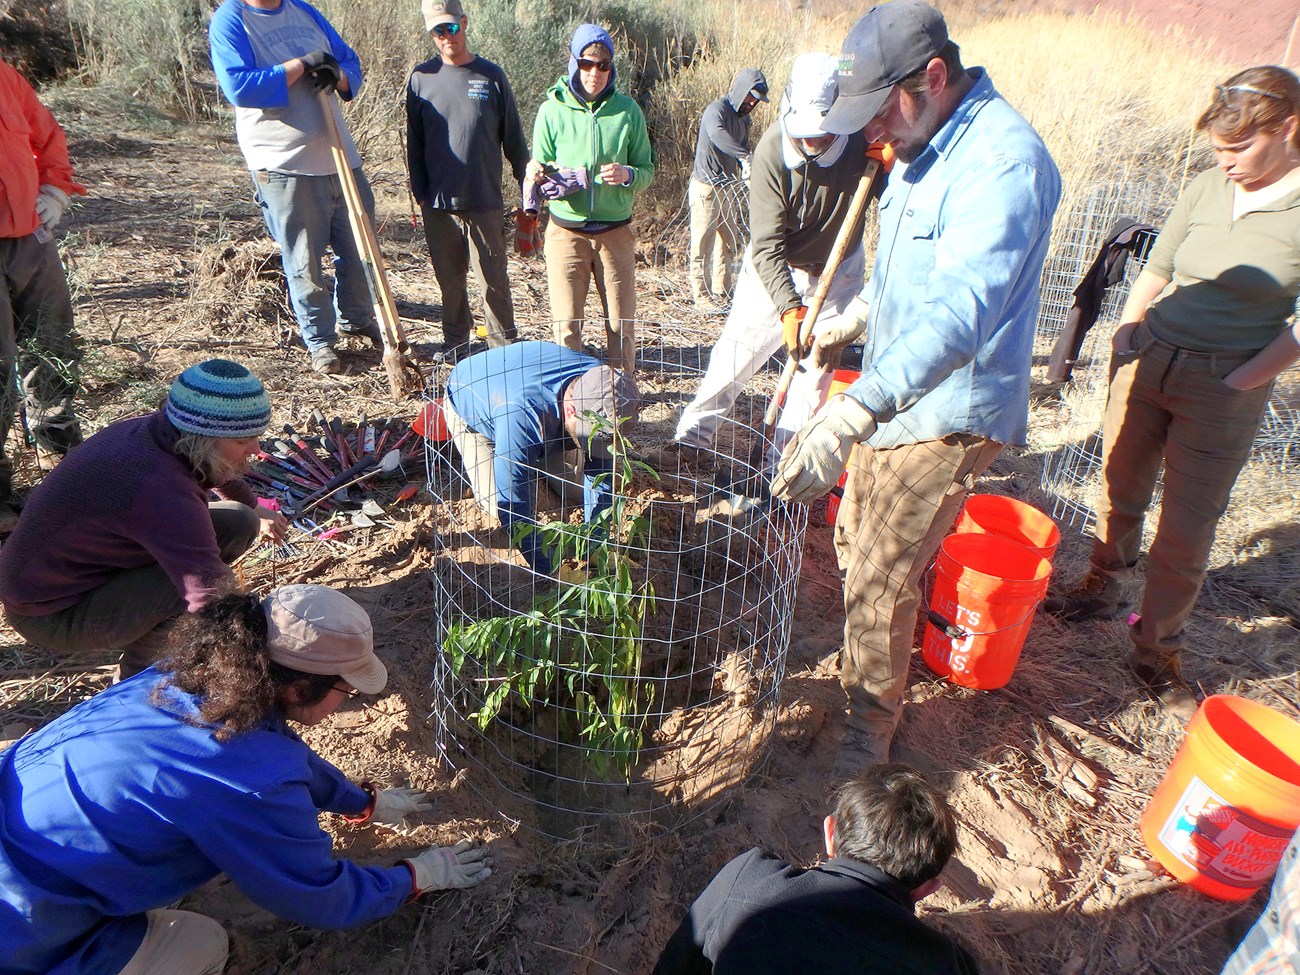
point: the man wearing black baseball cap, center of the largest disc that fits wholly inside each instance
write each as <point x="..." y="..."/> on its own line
<point x="947" y="322"/>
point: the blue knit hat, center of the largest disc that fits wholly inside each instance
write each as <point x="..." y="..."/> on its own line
<point x="218" y="398"/>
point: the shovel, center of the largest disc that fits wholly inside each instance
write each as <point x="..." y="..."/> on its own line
<point x="757" y="460"/>
<point x="404" y="378"/>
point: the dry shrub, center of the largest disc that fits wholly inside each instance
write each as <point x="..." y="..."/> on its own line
<point x="238" y="286"/>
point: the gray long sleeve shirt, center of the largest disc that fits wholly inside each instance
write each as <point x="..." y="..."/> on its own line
<point x="459" y="120"/>
<point x="794" y="214"/>
<point x="723" y="139"/>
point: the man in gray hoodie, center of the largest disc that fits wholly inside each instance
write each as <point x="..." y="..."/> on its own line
<point x="721" y="154"/>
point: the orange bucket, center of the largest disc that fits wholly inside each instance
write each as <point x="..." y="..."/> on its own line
<point x="994" y="514"/>
<point x="841" y="379"/>
<point x="986" y="590"/>
<point x="431" y="424"/>
<point x="1230" y="802"/>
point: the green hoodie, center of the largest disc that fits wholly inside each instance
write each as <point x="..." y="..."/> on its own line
<point x="569" y="132"/>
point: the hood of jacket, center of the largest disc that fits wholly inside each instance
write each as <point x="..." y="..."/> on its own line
<point x="585" y="36"/>
<point x="742" y="84"/>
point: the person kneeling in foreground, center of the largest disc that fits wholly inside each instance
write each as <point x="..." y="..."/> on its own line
<point x="121" y="538"/>
<point x="889" y="838"/>
<point x="514" y="412"/>
<point x="147" y="791"/>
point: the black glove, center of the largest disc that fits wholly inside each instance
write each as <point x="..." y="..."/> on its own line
<point x="323" y="70"/>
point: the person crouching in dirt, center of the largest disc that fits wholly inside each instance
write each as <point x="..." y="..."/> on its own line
<point x="597" y="138"/>
<point x="121" y="538"/>
<point x="513" y="412"/>
<point x="144" y="793"/>
<point x="890" y="836"/>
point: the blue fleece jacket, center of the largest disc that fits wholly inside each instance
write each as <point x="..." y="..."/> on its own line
<point x="512" y="396"/>
<point x="120" y="806"/>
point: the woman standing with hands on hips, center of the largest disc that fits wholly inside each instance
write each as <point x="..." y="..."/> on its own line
<point x="591" y="156"/>
<point x="1205" y="332"/>
<point x="147" y="791"/>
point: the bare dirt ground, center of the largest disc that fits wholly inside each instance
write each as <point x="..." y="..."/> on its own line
<point x="1048" y="775"/>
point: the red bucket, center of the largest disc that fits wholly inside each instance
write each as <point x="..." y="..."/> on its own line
<point x="986" y="590"/>
<point x="431" y="424"/>
<point x="994" y="514"/>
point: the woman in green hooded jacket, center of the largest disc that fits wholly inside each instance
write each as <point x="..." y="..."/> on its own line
<point x="591" y="155"/>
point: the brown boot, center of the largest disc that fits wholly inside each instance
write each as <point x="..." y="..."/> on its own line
<point x="1167" y="686"/>
<point x="1097" y="596"/>
<point x="859" y="751"/>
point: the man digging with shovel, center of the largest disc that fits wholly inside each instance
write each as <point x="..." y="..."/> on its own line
<point x="801" y="188"/>
<point x="948" y="324"/>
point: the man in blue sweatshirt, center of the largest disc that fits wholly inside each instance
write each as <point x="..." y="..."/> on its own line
<point x="272" y="59"/>
<point x="513" y="412"/>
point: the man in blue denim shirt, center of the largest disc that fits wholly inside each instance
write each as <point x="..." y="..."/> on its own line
<point x="947" y="320"/>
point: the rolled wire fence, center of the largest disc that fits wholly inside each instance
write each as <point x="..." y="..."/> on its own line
<point x="671" y="254"/>
<point x="1071" y="474"/>
<point x="650" y="688"/>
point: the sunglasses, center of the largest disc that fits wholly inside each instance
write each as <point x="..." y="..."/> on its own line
<point x="586" y="64"/>
<point x="1228" y="93"/>
<point x="348" y="691"/>
<point x="445" y="30"/>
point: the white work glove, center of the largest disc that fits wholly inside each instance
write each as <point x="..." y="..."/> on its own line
<point x="446" y="867"/>
<point x="392" y="806"/>
<point x="744" y="170"/>
<point x="50" y="205"/>
<point x="831" y="342"/>
<point x="817" y="457"/>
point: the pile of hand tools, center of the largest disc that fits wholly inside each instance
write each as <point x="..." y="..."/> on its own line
<point x="316" y="480"/>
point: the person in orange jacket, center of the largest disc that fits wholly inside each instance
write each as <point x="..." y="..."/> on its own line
<point x="36" y="186"/>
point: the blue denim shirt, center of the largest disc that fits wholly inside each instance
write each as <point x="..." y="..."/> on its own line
<point x="964" y="231"/>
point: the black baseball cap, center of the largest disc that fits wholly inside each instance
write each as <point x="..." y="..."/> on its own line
<point x="888" y="43"/>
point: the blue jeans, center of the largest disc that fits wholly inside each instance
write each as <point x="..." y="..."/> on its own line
<point x="306" y="214"/>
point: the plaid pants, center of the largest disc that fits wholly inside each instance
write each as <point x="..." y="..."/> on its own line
<point x="899" y="503"/>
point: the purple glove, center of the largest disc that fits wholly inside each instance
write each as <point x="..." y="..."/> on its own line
<point x="563" y="182"/>
<point x="532" y="201"/>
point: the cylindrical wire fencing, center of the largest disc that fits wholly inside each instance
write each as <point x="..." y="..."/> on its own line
<point x="646" y="682"/>
<point x="671" y="252"/>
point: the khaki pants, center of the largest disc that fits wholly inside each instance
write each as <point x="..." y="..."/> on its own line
<point x="133" y="612"/>
<point x="714" y="242"/>
<point x="457" y="242"/>
<point x="898" y="505"/>
<point x="1170" y="403"/>
<point x="180" y="943"/>
<point x="572" y="260"/>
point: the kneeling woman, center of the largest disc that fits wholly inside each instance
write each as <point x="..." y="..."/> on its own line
<point x="145" y="792"/>
<point x="120" y="538"/>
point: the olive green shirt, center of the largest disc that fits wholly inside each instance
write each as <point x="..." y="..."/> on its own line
<point x="1233" y="283"/>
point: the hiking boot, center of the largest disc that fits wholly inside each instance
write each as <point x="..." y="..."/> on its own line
<point x="859" y="751"/>
<point x="1168" y="688"/>
<point x="676" y="457"/>
<point x="1097" y="596"/>
<point x="706" y="305"/>
<point x="8" y="517"/>
<point x="326" y="360"/>
<point x="369" y="330"/>
<point x="453" y="352"/>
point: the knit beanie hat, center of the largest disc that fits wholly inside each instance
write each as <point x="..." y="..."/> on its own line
<point x="218" y="398"/>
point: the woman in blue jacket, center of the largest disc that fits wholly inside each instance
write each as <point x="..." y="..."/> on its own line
<point x="145" y="792"/>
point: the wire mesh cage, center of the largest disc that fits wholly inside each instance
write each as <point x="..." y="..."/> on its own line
<point x="647" y="683"/>
<point x="1085" y="222"/>
<point x="671" y="255"/>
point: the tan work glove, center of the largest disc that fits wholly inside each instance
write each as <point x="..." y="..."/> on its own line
<point x="791" y="324"/>
<point x="392" y="806"/>
<point x="448" y="867"/>
<point x="817" y="457"/>
<point x="830" y="344"/>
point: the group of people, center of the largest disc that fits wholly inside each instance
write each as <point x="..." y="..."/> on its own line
<point x="189" y="767"/>
<point x="277" y="62"/>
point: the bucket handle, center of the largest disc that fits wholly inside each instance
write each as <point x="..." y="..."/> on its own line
<point x="950" y="629"/>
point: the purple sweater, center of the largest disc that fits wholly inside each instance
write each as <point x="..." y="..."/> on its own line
<point x="122" y="500"/>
